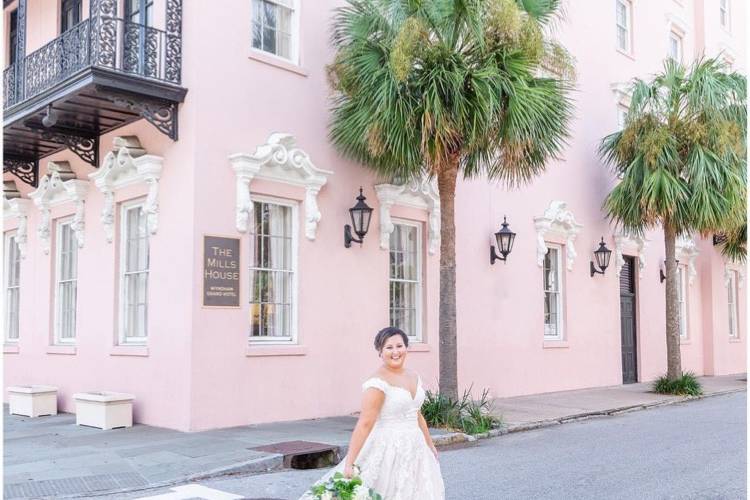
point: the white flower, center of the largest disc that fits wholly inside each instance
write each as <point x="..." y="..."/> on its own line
<point x="327" y="495"/>
<point x="361" y="493"/>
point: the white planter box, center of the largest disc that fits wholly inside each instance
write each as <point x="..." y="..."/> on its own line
<point x="32" y="400"/>
<point x="105" y="410"/>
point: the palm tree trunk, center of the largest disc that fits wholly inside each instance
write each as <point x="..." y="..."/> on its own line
<point x="674" y="366"/>
<point x="446" y="178"/>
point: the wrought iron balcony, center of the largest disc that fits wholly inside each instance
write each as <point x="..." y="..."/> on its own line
<point x="99" y="75"/>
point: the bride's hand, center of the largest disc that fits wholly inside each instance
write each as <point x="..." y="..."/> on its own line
<point x="348" y="471"/>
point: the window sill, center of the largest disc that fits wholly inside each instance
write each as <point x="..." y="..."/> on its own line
<point x="276" y="350"/>
<point x="556" y="344"/>
<point x="629" y="55"/>
<point x="10" y="349"/>
<point x="735" y="341"/>
<point x="129" y="350"/>
<point x="277" y="62"/>
<point x="418" y="347"/>
<point x="61" y="349"/>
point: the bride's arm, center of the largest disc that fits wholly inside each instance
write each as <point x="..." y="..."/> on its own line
<point x="372" y="402"/>
<point x="426" y="432"/>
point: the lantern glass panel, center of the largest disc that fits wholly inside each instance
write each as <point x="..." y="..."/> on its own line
<point x="366" y="214"/>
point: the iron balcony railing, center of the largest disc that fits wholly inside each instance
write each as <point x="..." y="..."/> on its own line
<point x="106" y="42"/>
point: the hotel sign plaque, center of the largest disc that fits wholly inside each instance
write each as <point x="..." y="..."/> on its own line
<point x="221" y="271"/>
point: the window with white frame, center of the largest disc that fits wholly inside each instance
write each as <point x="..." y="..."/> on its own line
<point x="553" y="293"/>
<point x="724" y="14"/>
<point x="675" y="46"/>
<point x="272" y="271"/>
<point x="622" y="115"/>
<point x="732" y="301"/>
<point x="682" y="310"/>
<point x="405" y="280"/>
<point x="274" y="27"/>
<point x="12" y="286"/>
<point x="134" y="270"/>
<point x="66" y="282"/>
<point x="623" y="14"/>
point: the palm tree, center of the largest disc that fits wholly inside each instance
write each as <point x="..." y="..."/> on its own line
<point x="441" y="87"/>
<point x="681" y="160"/>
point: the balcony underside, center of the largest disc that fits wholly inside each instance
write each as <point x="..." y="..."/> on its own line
<point x="90" y="103"/>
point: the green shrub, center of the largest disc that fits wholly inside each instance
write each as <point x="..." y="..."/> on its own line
<point x="467" y="414"/>
<point x="686" y="385"/>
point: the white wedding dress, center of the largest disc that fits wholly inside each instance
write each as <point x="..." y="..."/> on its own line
<point x="395" y="460"/>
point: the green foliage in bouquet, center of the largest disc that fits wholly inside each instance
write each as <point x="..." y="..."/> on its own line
<point x="341" y="488"/>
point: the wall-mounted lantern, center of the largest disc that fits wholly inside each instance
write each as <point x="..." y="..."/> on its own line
<point x="602" y="256"/>
<point x="50" y="118"/>
<point x="360" y="214"/>
<point x="663" y="276"/>
<point x="505" y="238"/>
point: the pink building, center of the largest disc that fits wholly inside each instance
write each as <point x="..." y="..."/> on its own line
<point x="174" y="215"/>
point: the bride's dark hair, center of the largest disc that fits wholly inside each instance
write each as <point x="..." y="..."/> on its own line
<point x="386" y="333"/>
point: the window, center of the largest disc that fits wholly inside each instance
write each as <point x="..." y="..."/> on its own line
<point x="140" y="12"/>
<point x="553" y="293"/>
<point x="70" y="14"/>
<point x="405" y="281"/>
<point x="724" y="14"/>
<point x="675" y="46"/>
<point x="622" y="115"/>
<point x="12" y="286"/>
<point x="273" y="26"/>
<point x="66" y="282"/>
<point x="139" y="42"/>
<point x="272" y="271"/>
<point x="733" y="313"/>
<point x="13" y="36"/>
<point x="134" y="269"/>
<point x="682" y="311"/>
<point x="623" y="22"/>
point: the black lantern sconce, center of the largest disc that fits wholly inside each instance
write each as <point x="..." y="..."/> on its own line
<point x="505" y="238"/>
<point x="602" y="256"/>
<point x="360" y="214"/>
<point x="663" y="276"/>
<point x="50" y="118"/>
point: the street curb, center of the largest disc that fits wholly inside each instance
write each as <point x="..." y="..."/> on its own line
<point x="459" y="437"/>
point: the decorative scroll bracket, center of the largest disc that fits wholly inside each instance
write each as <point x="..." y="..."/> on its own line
<point x="59" y="186"/>
<point x="127" y="164"/>
<point x="559" y="221"/>
<point x="421" y="194"/>
<point x="87" y="148"/>
<point x="625" y="242"/>
<point x="162" y="115"/>
<point x="24" y="168"/>
<point x="278" y="160"/>
<point x="17" y="207"/>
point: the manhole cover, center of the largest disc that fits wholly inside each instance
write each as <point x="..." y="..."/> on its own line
<point x="303" y="454"/>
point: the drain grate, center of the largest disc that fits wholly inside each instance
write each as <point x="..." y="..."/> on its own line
<point x="73" y="485"/>
<point x="303" y="454"/>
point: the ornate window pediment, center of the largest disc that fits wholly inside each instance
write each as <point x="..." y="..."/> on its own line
<point x="686" y="249"/>
<point x="421" y="194"/>
<point x="560" y="222"/>
<point x="278" y="160"/>
<point x="16" y="206"/>
<point x="125" y="165"/>
<point x="627" y="243"/>
<point x="58" y="186"/>
<point x="729" y="268"/>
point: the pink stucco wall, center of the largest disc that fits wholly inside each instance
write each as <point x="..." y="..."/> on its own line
<point x="201" y="373"/>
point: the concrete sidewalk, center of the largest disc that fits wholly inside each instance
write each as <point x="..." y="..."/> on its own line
<point x="52" y="457"/>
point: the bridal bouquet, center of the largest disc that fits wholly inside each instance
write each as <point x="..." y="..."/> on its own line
<point x="339" y="487"/>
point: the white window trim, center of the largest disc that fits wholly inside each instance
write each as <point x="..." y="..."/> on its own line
<point x="419" y="337"/>
<point x="294" y="338"/>
<point x="561" y="293"/>
<point x="15" y="207"/>
<point x="680" y="45"/>
<point x="58" y="340"/>
<point x="734" y="318"/>
<point x="728" y="26"/>
<point x="683" y="308"/>
<point x="628" y="27"/>
<point x="557" y="221"/>
<point x="6" y="276"/>
<point x="637" y="245"/>
<point x="294" y="48"/>
<point x="123" y="339"/>
<point x="420" y="194"/>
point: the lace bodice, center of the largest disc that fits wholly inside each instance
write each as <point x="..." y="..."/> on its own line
<point x="399" y="406"/>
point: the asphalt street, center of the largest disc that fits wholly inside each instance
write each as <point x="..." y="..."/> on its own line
<point x="691" y="450"/>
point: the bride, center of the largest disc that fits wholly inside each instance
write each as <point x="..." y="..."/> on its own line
<point x="391" y="446"/>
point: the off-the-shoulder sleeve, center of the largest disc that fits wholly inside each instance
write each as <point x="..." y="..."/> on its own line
<point x="375" y="383"/>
